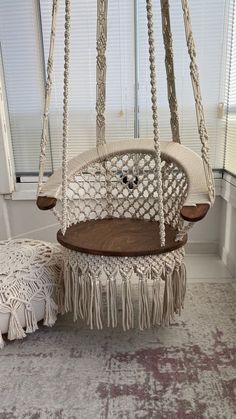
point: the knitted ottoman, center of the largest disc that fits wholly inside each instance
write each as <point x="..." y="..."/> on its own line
<point x="30" y="286"/>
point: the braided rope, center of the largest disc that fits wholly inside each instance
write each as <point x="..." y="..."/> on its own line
<point x="101" y="70"/>
<point x="169" y="63"/>
<point x="48" y="89"/>
<point x="155" y="117"/>
<point x="65" y="116"/>
<point x="198" y="100"/>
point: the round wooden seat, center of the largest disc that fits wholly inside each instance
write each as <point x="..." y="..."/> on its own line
<point x="119" y="237"/>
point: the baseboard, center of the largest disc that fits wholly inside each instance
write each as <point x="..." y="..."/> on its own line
<point x="202" y="248"/>
<point x="228" y="260"/>
<point x="47" y="233"/>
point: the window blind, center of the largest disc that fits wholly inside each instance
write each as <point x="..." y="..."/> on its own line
<point x="230" y="99"/>
<point x="208" y="20"/>
<point x="24" y="77"/>
<point x="120" y="74"/>
<point x="24" y="35"/>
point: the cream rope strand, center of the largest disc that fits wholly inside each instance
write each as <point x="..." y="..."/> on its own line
<point x="169" y="63"/>
<point x="101" y="70"/>
<point x="198" y="100"/>
<point x="48" y="89"/>
<point x="65" y="116"/>
<point x="155" y="118"/>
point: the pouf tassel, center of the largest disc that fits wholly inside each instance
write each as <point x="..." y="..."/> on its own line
<point x="15" y="330"/>
<point x="51" y="310"/>
<point x="31" y="322"/>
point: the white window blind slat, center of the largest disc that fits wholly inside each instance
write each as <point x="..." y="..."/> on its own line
<point x="208" y="27"/>
<point x="120" y="75"/>
<point x="21" y="41"/>
<point x="24" y="77"/>
<point x="230" y="98"/>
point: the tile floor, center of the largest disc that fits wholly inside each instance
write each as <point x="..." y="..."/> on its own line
<point x="207" y="268"/>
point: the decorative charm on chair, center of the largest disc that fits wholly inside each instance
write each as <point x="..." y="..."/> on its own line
<point x="123" y="204"/>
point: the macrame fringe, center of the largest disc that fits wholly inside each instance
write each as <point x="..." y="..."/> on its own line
<point x="51" y="311"/>
<point x="15" y="330"/>
<point x="127" y="306"/>
<point x="111" y="294"/>
<point x="156" y="302"/>
<point x="168" y="303"/>
<point x="95" y="308"/>
<point x="68" y="302"/>
<point x="60" y="294"/>
<point x="84" y="295"/>
<point x="144" y="315"/>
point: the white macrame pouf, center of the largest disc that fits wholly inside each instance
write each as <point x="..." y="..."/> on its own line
<point x="30" y="286"/>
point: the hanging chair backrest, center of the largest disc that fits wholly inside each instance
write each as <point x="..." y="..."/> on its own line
<point x="125" y="169"/>
<point x="126" y="187"/>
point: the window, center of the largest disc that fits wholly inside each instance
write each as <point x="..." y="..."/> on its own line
<point x="230" y="132"/>
<point x="24" y="35"/>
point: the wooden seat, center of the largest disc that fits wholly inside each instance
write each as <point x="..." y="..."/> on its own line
<point x="119" y="237"/>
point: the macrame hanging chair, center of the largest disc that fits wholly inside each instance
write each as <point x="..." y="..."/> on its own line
<point x="123" y="206"/>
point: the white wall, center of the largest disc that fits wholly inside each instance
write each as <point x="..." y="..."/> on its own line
<point x="25" y="220"/>
<point x="228" y="225"/>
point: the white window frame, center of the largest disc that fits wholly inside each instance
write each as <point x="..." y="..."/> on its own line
<point x="7" y="177"/>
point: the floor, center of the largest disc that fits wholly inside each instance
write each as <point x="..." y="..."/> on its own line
<point x="207" y="268"/>
<point x="186" y="371"/>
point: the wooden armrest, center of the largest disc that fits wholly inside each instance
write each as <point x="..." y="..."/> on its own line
<point x="45" y="203"/>
<point x="196" y="213"/>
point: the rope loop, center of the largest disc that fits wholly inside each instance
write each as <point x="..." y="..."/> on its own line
<point x="65" y="116"/>
<point x="48" y="88"/>
<point x="156" y="132"/>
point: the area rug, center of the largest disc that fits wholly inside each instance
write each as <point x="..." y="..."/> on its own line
<point x="186" y="371"/>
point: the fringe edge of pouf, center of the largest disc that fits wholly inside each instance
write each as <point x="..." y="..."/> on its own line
<point x="53" y="296"/>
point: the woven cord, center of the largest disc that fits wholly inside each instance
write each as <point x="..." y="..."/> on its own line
<point x="198" y="100"/>
<point x="65" y="117"/>
<point x="101" y="70"/>
<point x="169" y="63"/>
<point x="155" y="118"/>
<point x="48" y="89"/>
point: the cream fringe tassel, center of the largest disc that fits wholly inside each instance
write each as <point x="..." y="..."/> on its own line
<point x="84" y="289"/>
<point x="15" y="329"/>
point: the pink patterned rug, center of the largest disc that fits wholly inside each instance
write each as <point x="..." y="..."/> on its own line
<point x="187" y="371"/>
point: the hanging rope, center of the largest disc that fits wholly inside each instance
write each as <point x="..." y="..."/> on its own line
<point x="48" y="89"/>
<point x="101" y="70"/>
<point x="169" y="63"/>
<point x="65" y="116"/>
<point x="198" y="100"/>
<point x="155" y="118"/>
